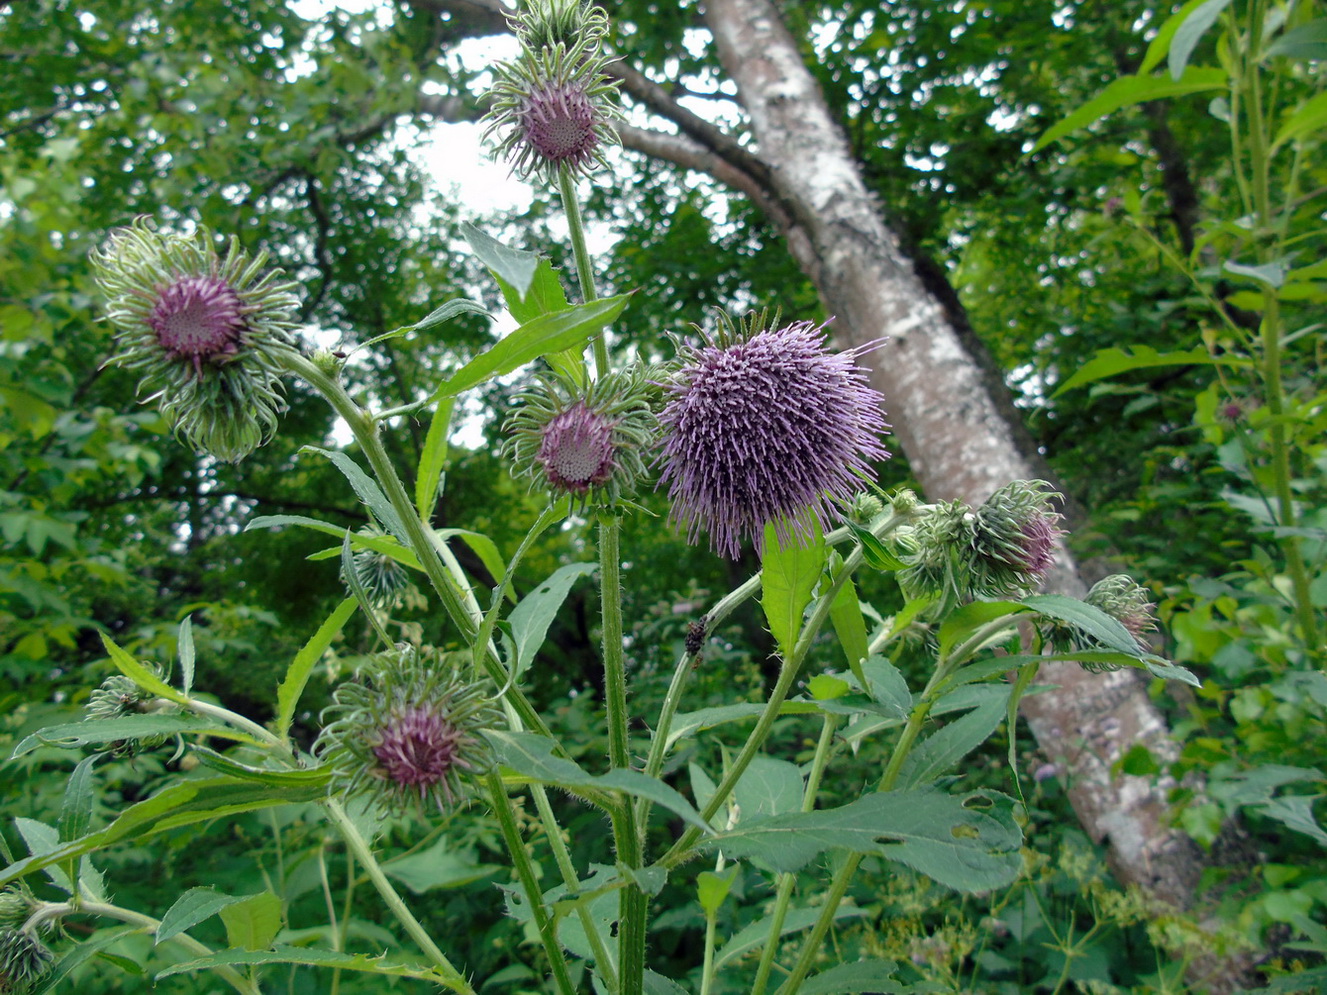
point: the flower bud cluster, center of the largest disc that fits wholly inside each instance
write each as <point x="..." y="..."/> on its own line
<point x="24" y="960"/>
<point x="117" y="697"/>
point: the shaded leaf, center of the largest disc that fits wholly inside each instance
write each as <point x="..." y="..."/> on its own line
<point x="1130" y="90"/>
<point x="309" y="957"/>
<point x="252" y="923"/>
<point x="191" y="908"/>
<point x="297" y="674"/>
<point x="1109" y="362"/>
<point x="531" y="618"/>
<point x="96" y="731"/>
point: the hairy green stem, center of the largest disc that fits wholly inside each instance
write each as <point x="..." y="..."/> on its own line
<point x="58" y="910"/>
<point x="787" y="880"/>
<point x="581" y="253"/>
<point x="524" y="868"/>
<point x="363" y="853"/>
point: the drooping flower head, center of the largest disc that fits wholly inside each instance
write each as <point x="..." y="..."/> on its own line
<point x="205" y="334"/>
<point x="554" y="106"/>
<point x="408" y="732"/>
<point x="119" y="696"/>
<point x="383" y="578"/>
<point x="766" y="425"/>
<point x="589" y="442"/>
<point x="1125" y="600"/>
<point x="1014" y="538"/>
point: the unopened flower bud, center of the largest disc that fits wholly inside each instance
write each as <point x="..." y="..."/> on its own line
<point x="24" y="960"/>
<point x="1015" y="537"/>
<point x="1126" y="601"/>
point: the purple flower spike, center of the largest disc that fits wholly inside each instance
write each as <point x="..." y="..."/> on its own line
<point x="769" y="428"/>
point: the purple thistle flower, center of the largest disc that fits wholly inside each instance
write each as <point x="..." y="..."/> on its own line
<point x="576" y="450"/>
<point x="198" y="318"/>
<point x="420" y="751"/>
<point x="558" y="119"/>
<point x="1037" y="544"/>
<point x="770" y="427"/>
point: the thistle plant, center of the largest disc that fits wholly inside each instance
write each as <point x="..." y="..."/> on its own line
<point x="762" y="434"/>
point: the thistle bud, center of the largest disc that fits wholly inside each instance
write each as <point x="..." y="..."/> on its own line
<point x="1014" y="539"/>
<point x="119" y="696"/>
<point x="24" y="960"/>
<point x="382" y="577"/>
<point x="206" y="335"/>
<point x="408" y="732"/>
<point x="1126" y="601"/>
<point x="14" y="907"/>
<point x="588" y="444"/>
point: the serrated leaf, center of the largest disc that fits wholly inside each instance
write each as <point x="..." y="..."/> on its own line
<point x="875" y="552"/>
<point x="515" y="266"/>
<point x="824" y="687"/>
<point x="941" y="750"/>
<point x="428" y="477"/>
<point x="439" y="866"/>
<point x="42" y="841"/>
<point x="297" y="674"/>
<point x="788" y="576"/>
<point x="886" y="685"/>
<point x="531" y="618"/>
<point x="943" y="836"/>
<point x="385" y="545"/>
<point x="543" y="296"/>
<point x="707" y="718"/>
<point x="140" y="674"/>
<point x="76" y="808"/>
<point x="1295" y="811"/>
<point x="965" y="622"/>
<point x="96" y="731"/>
<point x="1190" y="30"/>
<point x="1109" y="362"/>
<point x="859" y="978"/>
<point x="548" y="334"/>
<point x="1306" y="119"/>
<point x="245" y="772"/>
<point x="1130" y="90"/>
<point x="1107" y="631"/>
<point x="191" y="908"/>
<point x="368" y="491"/>
<point x="768" y="787"/>
<point x="182" y="804"/>
<point x="253" y="922"/>
<point x="753" y="936"/>
<point x="531" y="757"/>
<point x="186" y="643"/>
<point x="309" y="957"/>
<point x="1272" y="274"/>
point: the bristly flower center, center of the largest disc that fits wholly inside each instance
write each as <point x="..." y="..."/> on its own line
<point x="558" y="120"/>
<point x="577" y="449"/>
<point x="419" y="750"/>
<point x="197" y="318"/>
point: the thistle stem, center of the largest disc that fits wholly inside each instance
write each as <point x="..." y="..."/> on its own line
<point x="787" y="880"/>
<point x="546" y="926"/>
<point x="363" y="853"/>
<point x="581" y="253"/>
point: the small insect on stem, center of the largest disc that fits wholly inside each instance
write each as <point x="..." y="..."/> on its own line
<point x="695" y="642"/>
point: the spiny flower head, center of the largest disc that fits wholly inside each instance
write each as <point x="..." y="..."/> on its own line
<point x="24" y="960"/>
<point x="1015" y="536"/>
<point x="1126" y="601"/>
<point x="766" y="425"/>
<point x="383" y="578"/>
<point x="408" y="732"/>
<point x="589" y="442"/>
<point x="937" y="553"/>
<point x="579" y="26"/>
<point x="552" y="108"/>
<point x="119" y="696"/>
<point x="206" y="335"/>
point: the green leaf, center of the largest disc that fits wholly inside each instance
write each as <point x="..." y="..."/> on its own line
<point x="1159" y="47"/>
<point x="428" y="478"/>
<point x="42" y="841"/>
<point x="942" y="750"/>
<point x="76" y="809"/>
<point x="1190" y="30"/>
<point x="1295" y="811"/>
<point x="252" y="924"/>
<point x="191" y="908"/>
<point x="850" y="626"/>
<point x="707" y="718"/>
<point x="1110" y="362"/>
<point x="965" y="622"/>
<point x="437" y="316"/>
<point x="244" y="772"/>
<point x="712" y="888"/>
<point x="876" y="553"/>
<point x="284" y="954"/>
<point x="531" y="618"/>
<point x="886" y="685"/>
<point x="139" y="674"/>
<point x="1308" y="118"/>
<point x="297" y="674"/>
<point x="96" y="731"/>
<point x="1130" y="90"/>
<point x="824" y="687"/>
<point x="551" y="333"/>
<point x="657" y="984"/>
<point x="531" y="757"/>
<point x="863" y="977"/>
<point x="182" y="804"/>
<point x="969" y="843"/>
<point x="440" y="866"/>
<point x="385" y="545"/>
<point x="1272" y="274"/>
<point x="350" y="575"/>
<point x="1307" y="42"/>
<point x="368" y="490"/>
<point x="753" y="936"/>
<point x="186" y="643"/>
<point x="1109" y="632"/>
<point x="514" y="266"/>
<point x="484" y="548"/>
<point x="788" y="575"/>
<point x="768" y="787"/>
